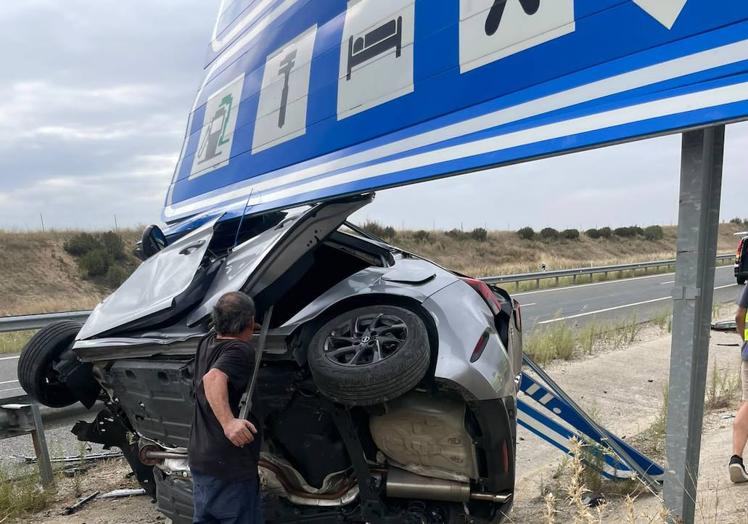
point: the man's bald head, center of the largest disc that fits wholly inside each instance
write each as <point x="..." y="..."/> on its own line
<point x="233" y="314"/>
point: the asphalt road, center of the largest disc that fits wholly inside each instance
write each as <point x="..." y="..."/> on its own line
<point x="642" y="298"/>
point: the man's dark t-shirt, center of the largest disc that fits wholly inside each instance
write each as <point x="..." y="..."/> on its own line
<point x="210" y="452"/>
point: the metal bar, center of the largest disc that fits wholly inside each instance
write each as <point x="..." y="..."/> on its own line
<point x="521" y="277"/>
<point x="29" y="322"/>
<point x="698" y="221"/>
<point x="247" y="406"/>
<point x="40" y="448"/>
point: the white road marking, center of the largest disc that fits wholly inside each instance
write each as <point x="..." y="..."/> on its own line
<point x="618" y="281"/>
<point x="11" y="389"/>
<point x="528" y="305"/>
<point x="605" y="310"/>
<point x="9" y="358"/>
<point x="578" y="315"/>
<point x="668" y="282"/>
<point x="8" y="382"/>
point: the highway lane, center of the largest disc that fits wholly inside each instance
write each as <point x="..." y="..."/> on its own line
<point x="642" y="298"/>
<point x="8" y="378"/>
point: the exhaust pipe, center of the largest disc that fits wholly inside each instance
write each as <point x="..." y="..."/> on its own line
<point x="405" y="485"/>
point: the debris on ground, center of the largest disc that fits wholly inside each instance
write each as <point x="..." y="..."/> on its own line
<point x="80" y="503"/>
<point x="121" y="493"/>
<point x="724" y="325"/>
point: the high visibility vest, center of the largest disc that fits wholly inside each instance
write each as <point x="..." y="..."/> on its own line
<point x="745" y="331"/>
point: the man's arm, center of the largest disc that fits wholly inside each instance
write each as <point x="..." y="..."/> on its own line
<point x="740" y="321"/>
<point x="240" y="432"/>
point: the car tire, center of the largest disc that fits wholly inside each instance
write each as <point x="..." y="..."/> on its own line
<point x="741" y="281"/>
<point x="36" y="372"/>
<point x="391" y="361"/>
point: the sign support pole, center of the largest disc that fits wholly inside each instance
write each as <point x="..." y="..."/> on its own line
<point x="700" y="190"/>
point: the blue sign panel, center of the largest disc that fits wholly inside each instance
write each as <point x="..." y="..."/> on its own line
<point x="304" y="100"/>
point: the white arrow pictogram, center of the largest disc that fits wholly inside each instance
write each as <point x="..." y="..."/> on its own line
<point x="665" y="12"/>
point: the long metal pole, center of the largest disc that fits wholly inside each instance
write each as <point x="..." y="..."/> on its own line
<point x="698" y="221"/>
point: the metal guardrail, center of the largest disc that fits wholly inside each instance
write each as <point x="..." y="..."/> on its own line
<point x="29" y="322"/>
<point x="574" y="273"/>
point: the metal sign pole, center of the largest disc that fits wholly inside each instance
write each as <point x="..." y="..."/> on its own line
<point x="700" y="188"/>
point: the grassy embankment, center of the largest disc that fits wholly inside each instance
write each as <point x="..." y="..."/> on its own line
<point x="38" y="275"/>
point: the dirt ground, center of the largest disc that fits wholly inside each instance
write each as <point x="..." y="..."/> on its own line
<point x="105" y="477"/>
<point x="623" y="389"/>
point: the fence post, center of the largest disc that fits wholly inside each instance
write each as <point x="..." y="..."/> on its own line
<point x="40" y="448"/>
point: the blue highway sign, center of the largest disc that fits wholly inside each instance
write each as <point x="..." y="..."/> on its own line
<point x="304" y="100"/>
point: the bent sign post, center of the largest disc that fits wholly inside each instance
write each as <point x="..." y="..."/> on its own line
<point x="305" y="100"/>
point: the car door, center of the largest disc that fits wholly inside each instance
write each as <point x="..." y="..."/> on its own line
<point x="258" y="263"/>
<point x="154" y="285"/>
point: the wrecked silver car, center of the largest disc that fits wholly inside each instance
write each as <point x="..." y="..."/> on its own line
<point x="387" y="390"/>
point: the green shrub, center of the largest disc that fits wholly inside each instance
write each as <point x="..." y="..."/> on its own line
<point x="95" y="263"/>
<point x="637" y="231"/>
<point x="624" y="232"/>
<point x="593" y="233"/>
<point x="101" y="257"/>
<point x="113" y="244"/>
<point x="737" y="220"/>
<point x="549" y="233"/>
<point x="605" y="232"/>
<point x="456" y="234"/>
<point x="422" y="236"/>
<point x="526" y="233"/>
<point x="479" y="234"/>
<point x="389" y="232"/>
<point x="653" y="233"/>
<point x="570" y="234"/>
<point x="80" y="244"/>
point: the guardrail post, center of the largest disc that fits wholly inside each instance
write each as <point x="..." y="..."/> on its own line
<point x="698" y="221"/>
<point x="40" y="448"/>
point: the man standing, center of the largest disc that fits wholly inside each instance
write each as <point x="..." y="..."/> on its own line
<point x="224" y="450"/>
<point x="740" y="425"/>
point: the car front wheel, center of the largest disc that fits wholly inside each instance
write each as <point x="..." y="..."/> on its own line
<point x="36" y="365"/>
<point x="370" y="355"/>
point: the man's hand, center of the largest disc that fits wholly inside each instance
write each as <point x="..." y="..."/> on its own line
<point x="240" y="432"/>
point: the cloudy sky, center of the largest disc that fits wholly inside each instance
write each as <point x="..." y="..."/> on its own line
<point x="95" y="94"/>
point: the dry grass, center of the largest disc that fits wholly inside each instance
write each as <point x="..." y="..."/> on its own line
<point x="559" y="341"/>
<point x="723" y="388"/>
<point x="21" y="495"/>
<point x="14" y="342"/>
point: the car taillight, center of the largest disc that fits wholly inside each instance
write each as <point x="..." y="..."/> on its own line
<point x="485" y="292"/>
<point x="480" y="346"/>
<point x="739" y="252"/>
